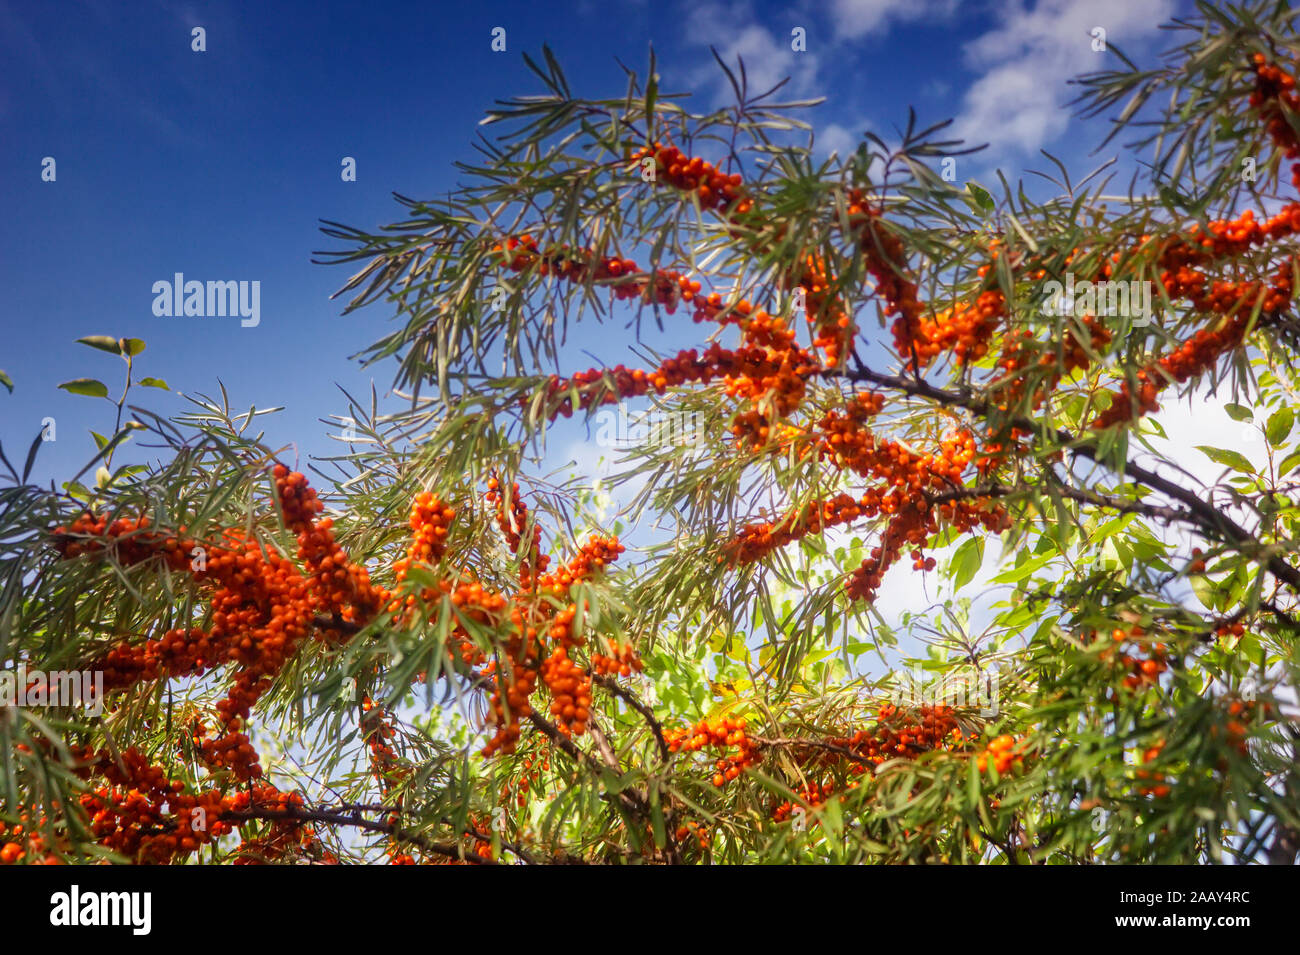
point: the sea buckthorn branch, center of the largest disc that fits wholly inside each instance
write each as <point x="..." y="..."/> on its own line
<point x="1121" y="505"/>
<point x="943" y="334"/>
<point x="635" y="702"/>
<point x="346" y="818"/>
<point x="511" y="685"/>
<point x="429" y="523"/>
<point x="1204" y="515"/>
<point x="263" y="607"/>
<point x="843" y="752"/>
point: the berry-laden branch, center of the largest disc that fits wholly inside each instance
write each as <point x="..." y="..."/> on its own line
<point x="1122" y="696"/>
<point x="770" y="373"/>
<point x="1197" y="511"/>
<point x="264" y="609"/>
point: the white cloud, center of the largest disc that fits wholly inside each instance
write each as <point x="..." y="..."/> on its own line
<point x="835" y="138"/>
<point x="1020" y="101"/>
<point x="768" y="56"/>
<point x="855" y="18"/>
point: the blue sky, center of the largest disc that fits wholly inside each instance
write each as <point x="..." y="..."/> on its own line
<point x="219" y="164"/>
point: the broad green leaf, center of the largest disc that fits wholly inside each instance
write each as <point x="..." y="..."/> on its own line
<point x="1279" y="425"/>
<point x="102" y="342"/>
<point x="979" y="197"/>
<point x="966" y="562"/>
<point x="1229" y="459"/>
<point x="86" y="386"/>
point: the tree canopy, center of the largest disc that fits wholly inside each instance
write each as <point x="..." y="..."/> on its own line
<point x="439" y="648"/>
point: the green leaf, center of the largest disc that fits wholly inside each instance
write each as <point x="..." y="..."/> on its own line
<point x="1229" y="459"/>
<point x="154" y="383"/>
<point x="6" y="381"/>
<point x="132" y="346"/>
<point x="1279" y="425"/>
<point x="1238" y="412"/>
<point x="1207" y="591"/>
<point x="102" y="342"/>
<point x="966" y="562"/>
<point x="983" y="202"/>
<point x="86" y="386"/>
<point x="1288" y="464"/>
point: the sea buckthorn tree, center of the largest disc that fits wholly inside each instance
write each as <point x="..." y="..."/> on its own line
<point x="431" y="651"/>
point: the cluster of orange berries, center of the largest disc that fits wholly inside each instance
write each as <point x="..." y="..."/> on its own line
<point x="480" y="843"/>
<point x="1155" y="784"/>
<point x="692" y="830"/>
<point x="138" y="813"/>
<point x="1220" y="239"/>
<point x="714" y="189"/>
<point x="768" y="367"/>
<point x="904" y="480"/>
<point x="885" y="259"/>
<point x="570" y="687"/>
<point x="232" y="751"/>
<point x="1140" y="671"/>
<point x="1005" y="754"/>
<point x="1275" y="96"/>
<point x="1233" y="303"/>
<point x="833" y="328"/>
<point x="26" y="840"/>
<point x="1019" y="355"/>
<point x="1226" y="631"/>
<point x="897" y="734"/>
<point x="530" y="773"/>
<point x="903" y="734"/>
<point x="543" y="635"/>
<point x="11" y="853"/>
<point x="378" y="730"/>
<point x="912" y="524"/>
<point x="341" y="588"/>
<point x="1241" y="713"/>
<point x="623" y="661"/>
<point x="812" y="795"/>
<point x="964" y="330"/>
<point x="521" y="253"/>
<point x="263" y="608"/>
<point x="513" y="521"/>
<point x="287" y="836"/>
<point x="129" y="538"/>
<point x="596" y="554"/>
<point x="429" y="521"/>
<point x="285" y="842"/>
<point x="725" y="734"/>
<point x="758" y="540"/>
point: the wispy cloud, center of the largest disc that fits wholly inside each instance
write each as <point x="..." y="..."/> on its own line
<point x="857" y="18"/>
<point x="837" y="138"/>
<point x="1019" y="103"/>
<point x="766" y="48"/>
